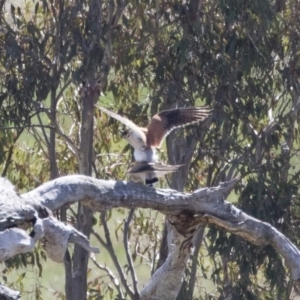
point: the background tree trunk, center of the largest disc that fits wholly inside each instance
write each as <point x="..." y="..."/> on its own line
<point x="89" y="97"/>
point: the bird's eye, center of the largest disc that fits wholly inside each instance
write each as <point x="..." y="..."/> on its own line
<point x="123" y="133"/>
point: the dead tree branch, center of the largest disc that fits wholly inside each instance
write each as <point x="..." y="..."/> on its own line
<point x="185" y="213"/>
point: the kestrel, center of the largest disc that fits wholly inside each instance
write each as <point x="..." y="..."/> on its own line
<point x="150" y="172"/>
<point x="145" y="140"/>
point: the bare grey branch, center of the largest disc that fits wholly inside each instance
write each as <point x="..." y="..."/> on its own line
<point x="185" y="212"/>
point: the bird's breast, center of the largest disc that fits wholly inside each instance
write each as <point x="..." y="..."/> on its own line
<point x="146" y="155"/>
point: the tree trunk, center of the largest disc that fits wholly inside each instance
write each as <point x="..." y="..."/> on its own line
<point x="77" y="290"/>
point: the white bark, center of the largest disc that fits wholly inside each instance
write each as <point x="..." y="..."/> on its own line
<point x="8" y="294"/>
<point x="207" y="205"/>
<point x="166" y="281"/>
<point x="14" y="241"/>
<point x="58" y="235"/>
<point x="184" y="211"/>
<point x="16" y="215"/>
<point x="13" y="211"/>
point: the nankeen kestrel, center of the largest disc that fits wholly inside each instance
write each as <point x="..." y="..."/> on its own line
<point x="145" y="140"/>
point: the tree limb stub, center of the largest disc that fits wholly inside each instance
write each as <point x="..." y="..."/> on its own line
<point x="206" y="205"/>
<point x="172" y="271"/>
<point x="16" y="216"/>
<point x="56" y="236"/>
<point x="13" y="211"/>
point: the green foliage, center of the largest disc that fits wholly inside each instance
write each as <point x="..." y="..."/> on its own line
<point x="6" y="140"/>
<point x="239" y="57"/>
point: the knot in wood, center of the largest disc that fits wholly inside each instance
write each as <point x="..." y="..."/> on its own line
<point x="185" y="222"/>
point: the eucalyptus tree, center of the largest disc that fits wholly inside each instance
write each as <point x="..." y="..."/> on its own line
<point x="239" y="57"/>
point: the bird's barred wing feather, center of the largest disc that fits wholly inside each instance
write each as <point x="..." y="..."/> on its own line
<point x="164" y="122"/>
<point x="125" y="121"/>
<point x="143" y="167"/>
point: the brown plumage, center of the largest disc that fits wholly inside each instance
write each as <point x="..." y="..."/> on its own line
<point x="164" y="122"/>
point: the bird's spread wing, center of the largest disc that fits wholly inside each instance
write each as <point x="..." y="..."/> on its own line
<point x="164" y="122"/>
<point x="125" y="121"/>
<point x="143" y="167"/>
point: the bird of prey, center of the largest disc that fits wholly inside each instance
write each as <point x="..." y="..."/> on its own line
<point x="150" y="172"/>
<point x="145" y="140"/>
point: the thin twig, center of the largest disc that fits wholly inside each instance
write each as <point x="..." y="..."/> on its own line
<point x="27" y="126"/>
<point x="156" y="241"/>
<point x="40" y="141"/>
<point x="257" y="50"/>
<point x="99" y="238"/>
<point x="60" y="93"/>
<point x="10" y="153"/>
<point x="110" y="274"/>
<point x="69" y="142"/>
<point x="43" y="130"/>
<point x="127" y="251"/>
<point x="110" y="250"/>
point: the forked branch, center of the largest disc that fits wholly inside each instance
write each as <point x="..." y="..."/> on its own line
<point x="185" y="212"/>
